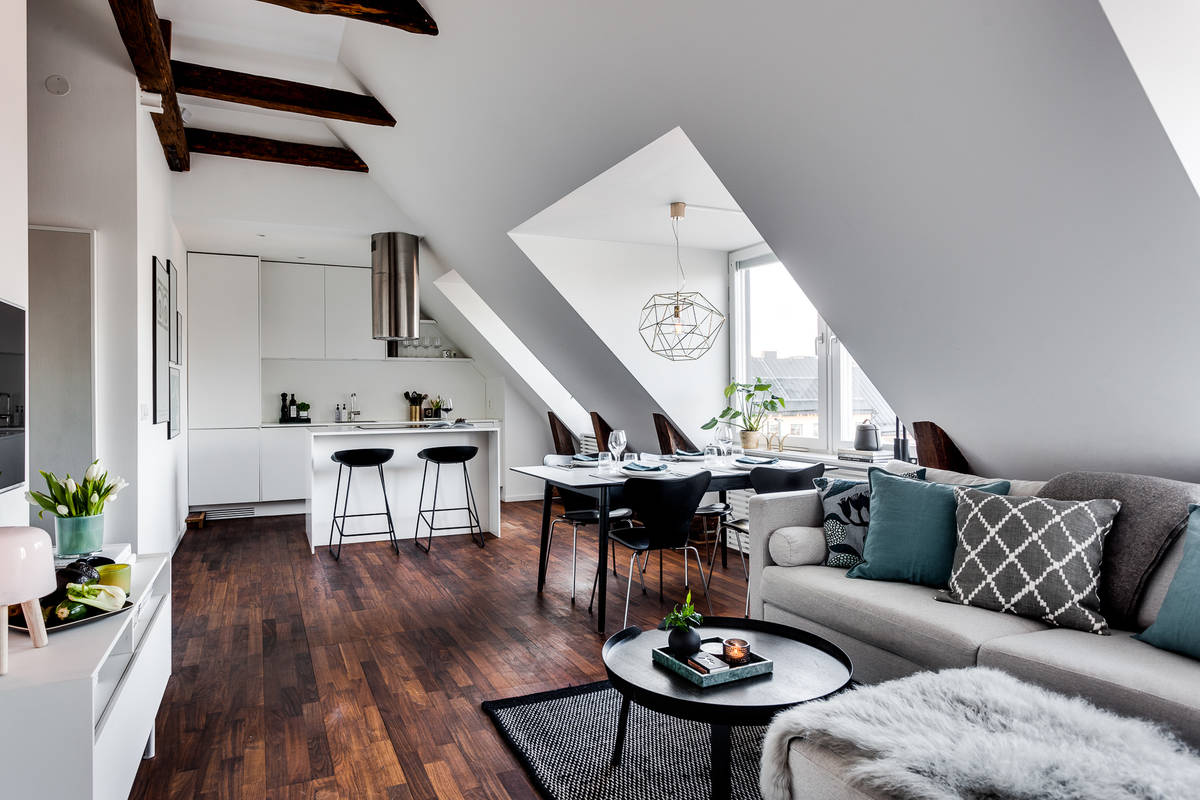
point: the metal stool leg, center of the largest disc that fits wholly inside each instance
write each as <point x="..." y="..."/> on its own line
<point x="387" y="508"/>
<point x="333" y="516"/>
<point x="437" y="480"/>
<point x="472" y="509"/>
<point x="420" y="505"/>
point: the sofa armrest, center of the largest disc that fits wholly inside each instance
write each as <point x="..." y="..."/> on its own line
<point x="769" y="513"/>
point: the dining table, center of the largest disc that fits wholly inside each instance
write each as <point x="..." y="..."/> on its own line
<point x="590" y="480"/>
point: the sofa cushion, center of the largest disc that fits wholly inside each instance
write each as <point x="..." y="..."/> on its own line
<point x="1178" y="625"/>
<point x="797" y="545"/>
<point x="1031" y="556"/>
<point x="898" y="617"/>
<point x="1157" y="585"/>
<point x="1153" y="515"/>
<point x="847" y="507"/>
<point x="912" y="534"/>
<point x="1116" y="672"/>
<point x="1016" y="487"/>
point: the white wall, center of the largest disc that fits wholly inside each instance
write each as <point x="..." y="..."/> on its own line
<point x="14" y="208"/>
<point x="380" y="386"/>
<point x="162" y="462"/>
<point x="607" y="283"/>
<point x="83" y="174"/>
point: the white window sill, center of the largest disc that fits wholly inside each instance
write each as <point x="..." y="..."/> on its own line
<point x="817" y="457"/>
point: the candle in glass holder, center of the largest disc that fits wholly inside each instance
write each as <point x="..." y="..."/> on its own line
<point x="736" y="650"/>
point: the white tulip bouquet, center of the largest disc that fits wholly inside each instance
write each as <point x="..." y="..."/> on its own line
<point x="66" y="498"/>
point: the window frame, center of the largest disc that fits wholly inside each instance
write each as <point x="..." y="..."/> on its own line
<point x="833" y="362"/>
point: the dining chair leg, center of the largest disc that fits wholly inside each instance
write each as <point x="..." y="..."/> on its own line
<point x="660" y="586"/>
<point x="614" y="558"/>
<point x="700" y="566"/>
<point x="574" y="554"/>
<point x="595" y="580"/>
<point x="642" y="564"/>
<point x="633" y="562"/>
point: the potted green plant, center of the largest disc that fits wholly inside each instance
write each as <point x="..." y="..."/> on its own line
<point x="746" y="407"/>
<point x="681" y="622"/>
<point x="436" y="405"/>
<point x="78" y="508"/>
<point x="303" y="409"/>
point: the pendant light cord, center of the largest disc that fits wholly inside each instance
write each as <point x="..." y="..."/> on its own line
<point x="678" y="260"/>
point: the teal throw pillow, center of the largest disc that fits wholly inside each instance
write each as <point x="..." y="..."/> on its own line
<point x="913" y="533"/>
<point x="1177" y="626"/>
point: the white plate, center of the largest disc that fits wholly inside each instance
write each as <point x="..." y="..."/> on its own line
<point x="699" y="458"/>
<point x="634" y="473"/>
<point x="748" y="467"/>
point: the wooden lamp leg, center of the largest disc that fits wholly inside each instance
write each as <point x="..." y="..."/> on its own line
<point x="35" y="623"/>
<point x="3" y="640"/>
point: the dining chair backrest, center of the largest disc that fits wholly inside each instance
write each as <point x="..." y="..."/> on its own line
<point x="602" y="430"/>
<point x="665" y="506"/>
<point x="564" y="439"/>
<point x="670" y="438"/>
<point x="768" y="480"/>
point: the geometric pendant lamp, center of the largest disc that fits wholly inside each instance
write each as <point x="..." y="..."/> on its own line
<point x="679" y="325"/>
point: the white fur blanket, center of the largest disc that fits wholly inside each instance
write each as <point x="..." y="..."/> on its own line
<point x="980" y="733"/>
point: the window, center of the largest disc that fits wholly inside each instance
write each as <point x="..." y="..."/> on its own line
<point x="778" y="335"/>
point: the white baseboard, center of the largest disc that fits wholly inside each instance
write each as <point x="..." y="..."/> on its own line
<point x="517" y="498"/>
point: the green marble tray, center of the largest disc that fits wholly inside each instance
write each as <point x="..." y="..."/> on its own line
<point x="755" y="665"/>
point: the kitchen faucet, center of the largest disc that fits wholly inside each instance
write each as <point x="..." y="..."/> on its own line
<point x="354" y="412"/>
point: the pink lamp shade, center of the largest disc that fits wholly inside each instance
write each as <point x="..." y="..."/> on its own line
<point x="26" y="565"/>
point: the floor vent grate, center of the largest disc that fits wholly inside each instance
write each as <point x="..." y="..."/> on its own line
<point x="235" y="512"/>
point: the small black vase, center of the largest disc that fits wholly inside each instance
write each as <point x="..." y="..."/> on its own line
<point x="683" y="642"/>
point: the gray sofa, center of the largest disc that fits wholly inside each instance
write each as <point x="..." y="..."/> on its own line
<point x="894" y="629"/>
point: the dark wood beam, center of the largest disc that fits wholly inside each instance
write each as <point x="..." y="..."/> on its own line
<point x="237" y="145"/>
<point x="936" y="449"/>
<point x="142" y="32"/>
<point x="254" y="90"/>
<point x="408" y="15"/>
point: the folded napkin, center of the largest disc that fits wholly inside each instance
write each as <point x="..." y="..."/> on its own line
<point x="688" y="453"/>
<point x="634" y="466"/>
<point x="585" y="457"/>
<point x="757" y="461"/>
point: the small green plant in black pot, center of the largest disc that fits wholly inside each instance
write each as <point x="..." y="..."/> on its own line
<point x="682" y="622"/>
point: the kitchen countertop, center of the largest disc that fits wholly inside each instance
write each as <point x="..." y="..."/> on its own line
<point x="388" y="422"/>
<point x="361" y="428"/>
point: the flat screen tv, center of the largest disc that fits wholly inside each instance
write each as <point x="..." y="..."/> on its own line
<point x="12" y="396"/>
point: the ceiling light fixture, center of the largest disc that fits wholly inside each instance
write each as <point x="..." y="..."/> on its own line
<point x="679" y="325"/>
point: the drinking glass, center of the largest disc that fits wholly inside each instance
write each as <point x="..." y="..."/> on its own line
<point x="736" y="452"/>
<point x="628" y="458"/>
<point x="616" y="443"/>
<point x="605" y="462"/>
<point x="725" y="438"/>
<point x="712" y="455"/>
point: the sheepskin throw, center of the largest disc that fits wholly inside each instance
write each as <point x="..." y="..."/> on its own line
<point x="1032" y="557"/>
<point x="980" y="733"/>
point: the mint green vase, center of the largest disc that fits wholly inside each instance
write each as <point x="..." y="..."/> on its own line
<point x="77" y="536"/>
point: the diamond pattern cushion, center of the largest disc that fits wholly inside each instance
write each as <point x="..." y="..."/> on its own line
<point x="1032" y="557"/>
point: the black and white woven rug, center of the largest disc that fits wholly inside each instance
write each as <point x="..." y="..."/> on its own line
<point x="565" y="740"/>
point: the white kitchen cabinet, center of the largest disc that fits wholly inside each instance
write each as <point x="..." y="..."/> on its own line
<point x="283" y="463"/>
<point x="224" y="359"/>
<point x="348" y="315"/>
<point x="293" y="310"/>
<point x="223" y="466"/>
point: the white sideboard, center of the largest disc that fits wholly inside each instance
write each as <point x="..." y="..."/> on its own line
<point x="78" y="714"/>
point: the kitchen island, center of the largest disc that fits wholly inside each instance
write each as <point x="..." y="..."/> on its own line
<point x="402" y="479"/>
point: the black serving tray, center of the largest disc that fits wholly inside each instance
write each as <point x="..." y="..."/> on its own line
<point x="51" y="627"/>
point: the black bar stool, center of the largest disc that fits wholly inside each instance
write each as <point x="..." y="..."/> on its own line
<point x="453" y="454"/>
<point x="365" y="457"/>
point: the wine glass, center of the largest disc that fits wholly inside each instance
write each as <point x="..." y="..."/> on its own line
<point x="725" y="438"/>
<point x="616" y="443"/>
<point x="448" y="406"/>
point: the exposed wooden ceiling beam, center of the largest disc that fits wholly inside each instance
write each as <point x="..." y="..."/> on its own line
<point x="407" y="15"/>
<point x="237" y="145"/>
<point x="143" y="35"/>
<point x="302" y="98"/>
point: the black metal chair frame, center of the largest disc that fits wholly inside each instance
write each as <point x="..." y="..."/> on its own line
<point x="338" y="521"/>
<point x="473" y="523"/>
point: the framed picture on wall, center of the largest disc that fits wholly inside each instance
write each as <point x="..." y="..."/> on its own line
<point x="176" y="410"/>
<point x="177" y="339"/>
<point x="173" y="280"/>
<point x="162" y="341"/>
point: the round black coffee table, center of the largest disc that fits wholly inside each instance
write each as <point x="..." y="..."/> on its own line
<point x="806" y="667"/>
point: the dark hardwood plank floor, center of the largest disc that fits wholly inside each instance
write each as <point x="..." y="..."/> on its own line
<point x="296" y="676"/>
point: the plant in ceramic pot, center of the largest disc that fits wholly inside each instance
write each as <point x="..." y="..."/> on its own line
<point x="436" y="405"/>
<point x="746" y="407"/>
<point x="303" y="408"/>
<point x="78" y="508"/>
<point x="682" y="622"/>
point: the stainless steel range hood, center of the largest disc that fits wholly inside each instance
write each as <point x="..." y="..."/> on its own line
<point x="395" y="290"/>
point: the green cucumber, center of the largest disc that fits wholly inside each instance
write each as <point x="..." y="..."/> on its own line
<point x="69" y="611"/>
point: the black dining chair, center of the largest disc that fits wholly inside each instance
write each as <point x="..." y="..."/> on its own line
<point x="664" y="507"/>
<point x="764" y="480"/>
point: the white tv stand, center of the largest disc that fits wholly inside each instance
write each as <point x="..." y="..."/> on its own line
<point x="78" y="714"/>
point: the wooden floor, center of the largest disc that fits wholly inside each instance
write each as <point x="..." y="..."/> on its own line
<point x="296" y="676"/>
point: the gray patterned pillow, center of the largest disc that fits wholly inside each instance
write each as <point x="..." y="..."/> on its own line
<point x="1032" y="557"/>
<point x="847" y="508"/>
